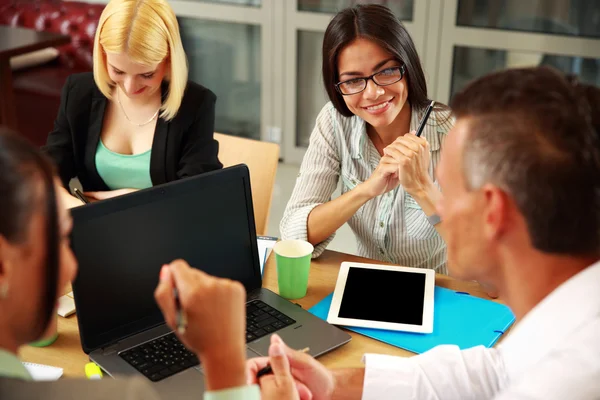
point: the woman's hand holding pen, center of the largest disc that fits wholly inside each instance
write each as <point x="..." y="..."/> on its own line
<point x="406" y="162"/>
<point x="412" y="157"/>
<point x="215" y="312"/>
<point x="69" y="200"/>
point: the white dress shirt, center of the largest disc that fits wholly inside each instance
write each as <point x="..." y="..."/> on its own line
<point x="391" y="227"/>
<point x="552" y="353"/>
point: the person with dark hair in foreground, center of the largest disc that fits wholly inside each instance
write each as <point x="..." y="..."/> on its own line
<point x="36" y="262"/>
<point x="521" y="208"/>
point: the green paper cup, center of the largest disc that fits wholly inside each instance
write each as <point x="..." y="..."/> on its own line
<point x="293" y="265"/>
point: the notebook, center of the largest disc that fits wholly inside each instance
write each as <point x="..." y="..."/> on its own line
<point x="459" y="319"/>
<point x="41" y="372"/>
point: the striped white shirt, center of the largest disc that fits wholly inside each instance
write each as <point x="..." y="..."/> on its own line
<point x="391" y="227"/>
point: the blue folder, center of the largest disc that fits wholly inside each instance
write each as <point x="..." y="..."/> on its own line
<point x="458" y="318"/>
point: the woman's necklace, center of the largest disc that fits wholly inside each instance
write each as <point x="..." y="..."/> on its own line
<point x="125" y="114"/>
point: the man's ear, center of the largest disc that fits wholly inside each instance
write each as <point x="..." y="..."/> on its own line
<point x="496" y="210"/>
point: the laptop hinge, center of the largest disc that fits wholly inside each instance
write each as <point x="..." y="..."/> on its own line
<point x="107" y="351"/>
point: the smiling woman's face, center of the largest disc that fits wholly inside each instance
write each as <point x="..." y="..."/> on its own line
<point x="377" y="105"/>
<point x="134" y="79"/>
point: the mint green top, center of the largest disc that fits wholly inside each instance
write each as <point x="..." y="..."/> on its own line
<point x="120" y="171"/>
<point x="11" y="367"/>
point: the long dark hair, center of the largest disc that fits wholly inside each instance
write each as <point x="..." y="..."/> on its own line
<point x="22" y="169"/>
<point x="378" y="24"/>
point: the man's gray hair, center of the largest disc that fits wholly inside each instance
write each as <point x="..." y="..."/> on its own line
<point x="531" y="135"/>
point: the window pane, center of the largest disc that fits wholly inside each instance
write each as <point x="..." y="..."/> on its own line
<point x="563" y="17"/>
<point x="253" y="3"/>
<point x="310" y="93"/>
<point x="225" y="57"/>
<point x="402" y="8"/>
<point x="471" y="63"/>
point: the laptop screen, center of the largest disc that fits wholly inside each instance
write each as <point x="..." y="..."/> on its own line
<point x="122" y="243"/>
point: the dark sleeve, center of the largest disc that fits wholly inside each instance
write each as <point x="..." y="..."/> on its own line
<point x="59" y="145"/>
<point x="200" y="149"/>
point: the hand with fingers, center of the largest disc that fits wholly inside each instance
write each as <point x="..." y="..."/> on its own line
<point x="383" y="179"/>
<point x="311" y="379"/>
<point x="215" y="312"/>
<point x="412" y="157"/>
<point x="68" y="199"/>
<point x="280" y="384"/>
<point x="72" y="202"/>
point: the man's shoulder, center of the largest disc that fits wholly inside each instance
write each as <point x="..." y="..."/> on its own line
<point x="569" y="370"/>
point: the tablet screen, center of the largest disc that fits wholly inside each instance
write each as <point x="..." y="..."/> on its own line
<point x="386" y="296"/>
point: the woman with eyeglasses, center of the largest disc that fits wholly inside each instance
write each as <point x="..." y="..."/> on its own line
<point x="137" y="121"/>
<point x="365" y="138"/>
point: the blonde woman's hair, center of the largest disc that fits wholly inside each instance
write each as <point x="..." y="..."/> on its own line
<point x="148" y="32"/>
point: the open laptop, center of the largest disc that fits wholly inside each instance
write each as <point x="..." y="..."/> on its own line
<point x="122" y="243"/>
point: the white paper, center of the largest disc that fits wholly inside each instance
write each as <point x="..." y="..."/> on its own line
<point x="265" y="246"/>
<point x="66" y="306"/>
<point x="41" y="372"/>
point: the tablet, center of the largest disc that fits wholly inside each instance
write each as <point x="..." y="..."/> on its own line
<point x="383" y="297"/>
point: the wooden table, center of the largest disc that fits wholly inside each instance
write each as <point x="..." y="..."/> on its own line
<point x="66" y="351"/>
<point x="13" y="42"/>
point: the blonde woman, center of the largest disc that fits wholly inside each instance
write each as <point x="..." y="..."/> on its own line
<point x="136" y="121"/>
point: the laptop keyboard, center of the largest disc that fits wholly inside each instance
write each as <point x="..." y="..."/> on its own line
<point x="262" y="320"/>
<point x="160" y="358"/>
<point x="166" y="356"/>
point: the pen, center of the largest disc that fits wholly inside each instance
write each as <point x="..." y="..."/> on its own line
<point x="80" y="196"/>
<point x="425" y="117"/>
<point x="268" y="370"/>
<point x="180" y="318"/>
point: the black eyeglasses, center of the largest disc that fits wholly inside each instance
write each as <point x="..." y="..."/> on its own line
<point x="384" y="77"/>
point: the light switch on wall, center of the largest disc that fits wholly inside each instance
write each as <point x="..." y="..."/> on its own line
<point x="274" y="134"/>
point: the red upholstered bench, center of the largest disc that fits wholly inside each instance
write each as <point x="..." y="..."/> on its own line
<point x="37" y="88"/>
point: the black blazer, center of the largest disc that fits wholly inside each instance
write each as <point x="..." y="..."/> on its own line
<point x="182" y="147"/>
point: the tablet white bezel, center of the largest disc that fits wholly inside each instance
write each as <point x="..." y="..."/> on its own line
<point x="338" y="294"/>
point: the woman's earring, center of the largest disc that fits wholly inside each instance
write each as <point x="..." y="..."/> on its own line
<point x="4" y="290"/>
